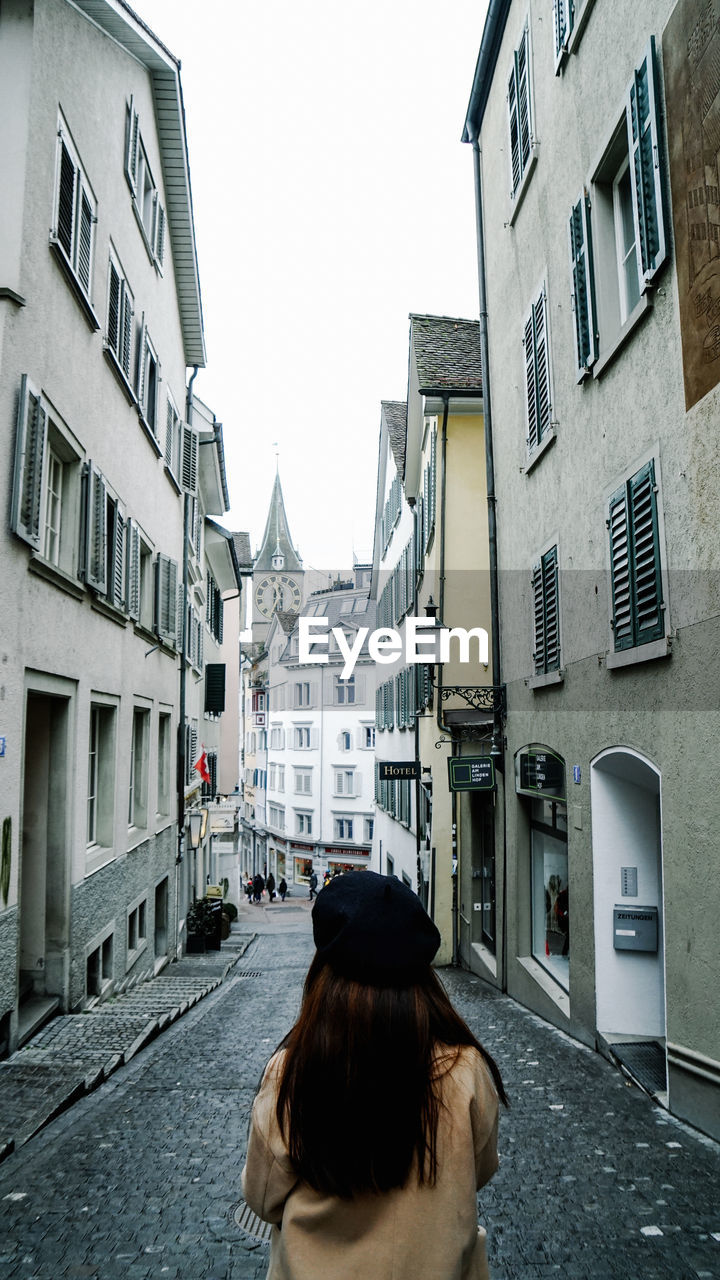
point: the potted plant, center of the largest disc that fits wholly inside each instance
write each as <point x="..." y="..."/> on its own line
<point x="200" y="927"/>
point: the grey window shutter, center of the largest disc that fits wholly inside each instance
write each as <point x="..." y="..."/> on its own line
<point x="563" y="15"/>
<point x="179" y="617"/>
<point x="189" y="466"/>
<point x="219" y="615"/>
<point x="166" y="598"/>
<point x="116" y="585"/>
<point x="620" y="570"/>
<point x="379" y="709"/>
<point x="142" y="352"/>
<point x="66" y="201"/>
<point x="531" y="383"/>
<point x="132" y="589"/>
<point x="30" y="445"/>
<point x="96" y="530"/>
<point x="113" y="331"/>
<point x="215" y="687"/>
<point x="514" y="124"/>
<point x="538" y="619"/>
<point x="543" y="368"/>
<point x="646" y="166"/>
<point x="647" y="579"/>
<point x="160" y="235"/>
<point x="85" y="241"/>
<point x="170" y="420"/>
<point x="583" y="294"/>
<point x="523" y="82"/>
<point x="127" y="330"/>
<point x="132" y="132"/>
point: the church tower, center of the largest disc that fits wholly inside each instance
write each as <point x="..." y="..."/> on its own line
<point x="277" y="569"/>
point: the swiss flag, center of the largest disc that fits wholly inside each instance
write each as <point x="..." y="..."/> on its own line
<point x="201" y="765"/>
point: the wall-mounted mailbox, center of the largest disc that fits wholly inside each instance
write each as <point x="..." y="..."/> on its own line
<point x="635" y="928"/>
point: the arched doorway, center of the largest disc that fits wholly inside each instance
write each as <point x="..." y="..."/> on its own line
<point x="628" y="912"/>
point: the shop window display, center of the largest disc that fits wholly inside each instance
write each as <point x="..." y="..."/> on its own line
<point x="550" y="890"/>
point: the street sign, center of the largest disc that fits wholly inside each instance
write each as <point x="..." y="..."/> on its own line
<point x="471" y="773"/>
<point x="394" y="770"/>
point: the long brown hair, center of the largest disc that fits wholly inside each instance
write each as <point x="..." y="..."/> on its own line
<point x="358" y="1101"/>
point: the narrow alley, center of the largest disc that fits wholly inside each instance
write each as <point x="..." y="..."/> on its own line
<point x="142" y="1178"/>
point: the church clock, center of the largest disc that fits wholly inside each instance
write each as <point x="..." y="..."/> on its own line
<point x="276" y="591"/>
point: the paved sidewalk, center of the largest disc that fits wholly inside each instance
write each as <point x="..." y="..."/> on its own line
<point x="75" y="1053"/>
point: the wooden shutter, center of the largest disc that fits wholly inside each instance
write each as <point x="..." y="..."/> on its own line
<point x="116" y="534"/>
<point x="132" y="587"/>
<point x="523" y="92"/>
<point x="531" y="383"/>
<point x="67" y="193"/>
<point x="646" y="575"/>
<point x="563" y="14"/>
<point x="620" y="571"/>
<point x="96" y="531"/>
<point x="166" y="598"/>
<point x="514" y="125"/>
<point x="551" y="603"/>
<point x="646" y="171"/>
<point x="28" y="480"/>
<point x="142" y="353"/>
<point x="125" y="351"/>
<point x="537" y="373"/>
<point x="538" y="619"/>
<point x="189" y="468"/>
<point x="583" y="295"/>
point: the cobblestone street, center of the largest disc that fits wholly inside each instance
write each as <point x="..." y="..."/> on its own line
<point x="141" y="1178"/>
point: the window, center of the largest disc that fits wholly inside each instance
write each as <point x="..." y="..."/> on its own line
<point x="638" y="610"/>
<point x="214" y="609"/>
<point x="344" y="691"/>
<point x="277" y="738"/>
<point x="628" y="229"/>
<point x="302" y="738"/>
<point x="569" y="17"/>
<point x="347" y="783"/>
<point x="343" y="828"/>
<point x="368" y="736"/>
<point x="99" y="967"/>
<point x="550" y="898"/>
<point x="47" y="481"/>
<point x="303" y="782"/>
<point x="302" y="694"/>
<point x="120" y="319"/>
<point x="369" y="825"/>
<point x="139" y="592"/>
<point x="101" y="776"/>
<point x="146" y="201"/>
<point x="303" y="824"/>
<point x="172" y="437"/>
<point x="137" y="793"/>
<point x="546" y="621"/>
<point x="276" y="816"/>
<point x="520" y="116"/>
<point x="537" y="373"/>
<point x="148" y="381"/>
<point x="164" y="747"/>
<point x="345" y="741"/>
<point x="136" y="930"/>
<point x="583" y="287"/>
<point x="277" y="777"/>
<point x="75" y="214"/>
<point x="210" y="789"/>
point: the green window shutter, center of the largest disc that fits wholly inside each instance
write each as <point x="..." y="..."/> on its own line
<point x="160" y="234"/>
<point x="646" y="167"/>
<point x="66" y="201"/>
<point x="30" y="446"/>
<point x="563" y="14"/>
<point x="219" y="615"/>
<point x="170" y="419"/>
<point x="125" y="349"/>
<point x="132" y="133"/>
<point x="96" y="531"/>
<point x="533" y="436"/>
<point x="537" y="373"/>
<point x="583" y="295"/>
<point x="379" y="709"/>
<point x="132" y="586"/>
<point x="523" y="93"/>
<point x="622" y="622"/>
<point x="215" y="687"/>
<point x="538" y="619"/>
<point x="514" y="124"/>
<point x="647" y="580"/>
<point x="550" y="601"/>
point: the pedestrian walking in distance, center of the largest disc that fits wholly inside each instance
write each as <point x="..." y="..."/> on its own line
<point x="258" y="886"/>
<point x="313" y="886"/>
<point x="376" y="1119"/>
<point x="270" y="886"/>
<point x="282" y="888"/>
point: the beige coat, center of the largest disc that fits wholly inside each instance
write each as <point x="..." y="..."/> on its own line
<point x="413" y="1233"/>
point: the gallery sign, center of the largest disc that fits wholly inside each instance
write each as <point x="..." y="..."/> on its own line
<point x="471" y="773"/>
<point x="539" y="772"/>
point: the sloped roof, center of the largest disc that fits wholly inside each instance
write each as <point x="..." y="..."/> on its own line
<point x="243" y="552"/>
<point x="395" y="414"/>
<point x="128" y="29"/>
<point x="447" y="353"/>
<point x="287" y="619"/>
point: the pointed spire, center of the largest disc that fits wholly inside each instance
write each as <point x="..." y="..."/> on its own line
<point x="277" y="544"/>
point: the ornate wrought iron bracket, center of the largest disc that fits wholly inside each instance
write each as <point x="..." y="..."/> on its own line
<point x="482" y="697"/>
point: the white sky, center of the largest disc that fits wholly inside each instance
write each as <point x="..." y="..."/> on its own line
<point x="332" y="197"/>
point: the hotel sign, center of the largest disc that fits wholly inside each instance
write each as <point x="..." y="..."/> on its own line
<point x="398" y="770"/>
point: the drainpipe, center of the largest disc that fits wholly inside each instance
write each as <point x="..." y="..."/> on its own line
<point x="183" y="676"/>
<point x="416" y="727"/>
<point x="441" y="583"/>
<point x="497" y="749"/>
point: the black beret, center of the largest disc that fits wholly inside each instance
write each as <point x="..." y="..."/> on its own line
<point x="373" y="928"/>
